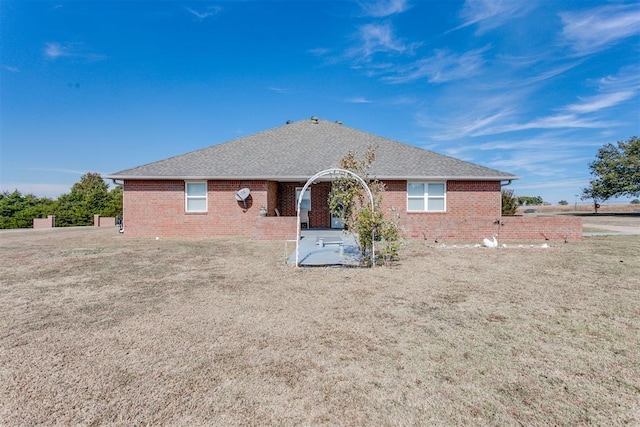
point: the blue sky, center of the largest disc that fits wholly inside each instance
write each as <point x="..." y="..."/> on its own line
<point x="530" y="88"/>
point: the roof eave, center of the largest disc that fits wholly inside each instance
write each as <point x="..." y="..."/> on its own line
<point x="304" y="178"/>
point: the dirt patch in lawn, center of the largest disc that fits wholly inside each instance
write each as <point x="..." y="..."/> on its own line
<point x="97" y="328"/>
<point x="617" y="222"/>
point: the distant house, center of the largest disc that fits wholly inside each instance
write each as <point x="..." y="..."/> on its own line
<point x="194" y="194"/>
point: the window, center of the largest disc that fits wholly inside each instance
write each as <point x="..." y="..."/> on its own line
<point x="306" y="199"/>
<point x="426" y="197"/>
<point x="195" y="194"/>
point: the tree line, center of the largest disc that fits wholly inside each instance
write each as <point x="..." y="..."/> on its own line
<point x="88" y="197"/>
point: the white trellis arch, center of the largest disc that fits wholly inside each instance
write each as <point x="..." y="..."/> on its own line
<point x="333" y="171"/>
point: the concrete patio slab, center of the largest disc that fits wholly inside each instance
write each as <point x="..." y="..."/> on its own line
<point x="326" y="247"/>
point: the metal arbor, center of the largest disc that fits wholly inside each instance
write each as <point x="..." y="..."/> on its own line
<point x="333" y="171"/>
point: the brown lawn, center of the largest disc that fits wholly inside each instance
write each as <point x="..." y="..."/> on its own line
<point x="98" y="329"/>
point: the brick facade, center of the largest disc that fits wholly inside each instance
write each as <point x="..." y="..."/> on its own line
<point x="157" y="208"/>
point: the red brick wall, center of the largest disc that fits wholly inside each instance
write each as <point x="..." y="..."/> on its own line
<point x="472" y="207"/>
<point x="319" y="216"/>
<point x="473" y="212"/>
<point x="104" y="221"/>
<point x="541" y="228"/>
<point x="157" y="208"/>
<point x="48" y="222"/>
<point x="275" y="228"/>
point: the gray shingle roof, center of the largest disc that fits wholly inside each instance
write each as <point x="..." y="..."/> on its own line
<point x="299" y="150"/>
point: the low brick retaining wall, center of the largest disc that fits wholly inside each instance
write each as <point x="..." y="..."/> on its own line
<point x="48" y="222"/>
<point x="104" y="221"/>
<point x="274" y="228"/>
<point x="474" y="229"/>
<point x="541" y="227"/>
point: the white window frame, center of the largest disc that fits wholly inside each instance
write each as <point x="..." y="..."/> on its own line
<point x="307" y="196"/>
<point x="188" y="197"/>
<point x="426" y="196"/>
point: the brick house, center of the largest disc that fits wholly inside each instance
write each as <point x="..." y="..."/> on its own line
<point x="437" y="196"/>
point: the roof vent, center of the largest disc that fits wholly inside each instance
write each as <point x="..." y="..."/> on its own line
<point x="314" y="119"/>
<point x="289" y="122"/>
<point x="338" y="122"/>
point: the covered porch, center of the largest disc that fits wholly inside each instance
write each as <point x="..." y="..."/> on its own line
<point x="281" y="202"/>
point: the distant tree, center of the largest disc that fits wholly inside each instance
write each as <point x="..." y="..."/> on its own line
<point x="635" y="202"/>
<point x="18" y="211"/>
<point x="88" y="197"/>
<point x="114" y="208"/>
<point x="616" y="170"/>
<point x="563" y="203"/>
<point x="596" y="193"/>
<point x="530" y="200"/>
<point x="510" y="202"/>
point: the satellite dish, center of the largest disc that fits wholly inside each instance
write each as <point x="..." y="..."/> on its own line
<point x="241" y="196"/>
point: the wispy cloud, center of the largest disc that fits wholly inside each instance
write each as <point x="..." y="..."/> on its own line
<point x="536" y="162"/>
<point x="378" y="38"/>
<point x="320" y="51"/>
<point x="598" y="102"/>
<point x="613" y="90"/>
<point x="540" y="142"/>
<point x="557" y="121"/>
<point x="206" y="13"/>
<point x="628" y="78"/>
<point x="55" y="50"/>
<point x="382" y="8"/>
<point x="487" y="120"/>
<point x="596" y="29"/>
<point x="486" y="110"/>
<point x="466" y="124"/>
<point x="576" y="183"/>
<point x="278" y="89"/>
<point x="58" y="170"/>
<point x="527" y="72"/>
<point x="490" y="14"/>
<point x="358" y="100"/>
<point x="442" y="67"/>
<point x="11" y="68"/>
<point x="463" y="110"/>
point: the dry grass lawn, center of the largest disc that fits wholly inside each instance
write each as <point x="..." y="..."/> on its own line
<point x="98" y="329"/>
